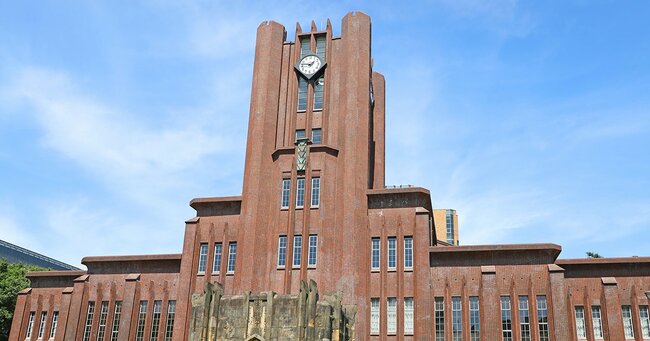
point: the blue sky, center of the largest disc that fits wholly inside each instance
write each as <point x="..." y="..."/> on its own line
<point x="532" y="119"/>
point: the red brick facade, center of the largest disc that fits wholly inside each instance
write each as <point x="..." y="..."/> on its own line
<point x="354" y="216"/>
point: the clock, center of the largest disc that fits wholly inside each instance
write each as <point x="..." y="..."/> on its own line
<point x="309" y="65"/>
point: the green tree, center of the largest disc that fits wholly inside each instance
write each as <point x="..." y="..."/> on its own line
<point x="12" y="280"/>
<point x="593" y="255"/>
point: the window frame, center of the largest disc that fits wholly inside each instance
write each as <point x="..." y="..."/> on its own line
<point x="644" y="321"/>
<point x="103" y="316"/>
<point x="296" y="259"/>
<point x="456" y="318"/>
<point x="30" y="324"/>
<point x="300" y="192"/>
<point x="409" y="315"/>
<point x="581" y="325"/>
<point x="315" y="192"/>
<point x="597" y="322"/>
<point x="506" y="318"/>
<point x="285" y="196"/>
<point x="439" y="318"/>
<point x="391" y="250"/>
<point x="375" y="315"/>
<point x="90" y="313"/>
<point x="282" y="252"/>
<point x="216" y="258"/>
<point x="41" y="326"/>
<point x="203" y="258"/>
<point x="408" y="253"/>
<point x="169" y="321"/>
<point x="375" y="253"/>
<point x="391" y="315"/>
<point x="312" y="251"/>
<point x="117" y="314"/>
<point x="320" y="135"/>
<point x="142" y="320"/>
<point x="55" y="323"/>
<point x="232" y="258"/>
<point x="542" y="318"/>
<point x="628" y="323"/>
<point x="155" y="320"/>
<point x="524" y="318"/>
<point x="474" y="318"/>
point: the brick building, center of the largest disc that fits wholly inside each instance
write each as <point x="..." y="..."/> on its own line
<point x="314" y="208"/>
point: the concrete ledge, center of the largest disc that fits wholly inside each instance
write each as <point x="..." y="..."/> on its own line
<point x="555" y="268"/>
<point x="609" y="281"/>
<point x="416" y="197"/>
<point x="165" y="263"/>
<point x="605" y="267"/>
<point x="488" y="269"/>
<point x="216" y="206"/>
<point x="482" y="255"/>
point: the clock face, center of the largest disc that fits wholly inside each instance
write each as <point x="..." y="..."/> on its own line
<point x="308" y="65"/>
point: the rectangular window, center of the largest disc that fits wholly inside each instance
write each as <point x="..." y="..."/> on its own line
<point x="55" y="322"/>
<point x="391" y="313"/>
<point x="89" y="320"/>
<point x="41" y="326"/>
<point x="155" y="320"/>
<point x="524" y="318"/>
<point x="581" y="331"/>
<point x="375" y="254"/>
<point x="316" y="136"/>
<point x="282" y="251"/>
<point x="300" y="193"/>
<point x="315" y="192"/>
<point x="203" y="257"/>
<point x="286" y="191"/>
<point x="232" y="256"/>
<point x="302" y="94"/>
<point x="542" y="318"/>
<point x="116" y="321"/>
<point x="374" y="316"/>
<point x="313" y="250"/>
<point x="216" y="261"/>
<point x="456" y="319"/>
<point x="627" y="322"/>
<point x="408" y="252"/>
<point x="169" y="326"/>
<point x="305" y="47"/>
<point x="408" y="315"/>
<point x="319" y="89"/>
<point x="506" y="318"/>
<point x="450" y="226"/>
<point x="392" y="253"/>
<point x="645" y="321"/>
<point x="439" y="318"/>
<point x="142" y="317"/>
<point x="297" y="251"/>
<point x="320" y="46"/>
<point x="300" y="134"/>
<point x="597" y="321"/>
<point x="103" y="313"/>
<point x="30" y="324"/>
<point x="474" y="319"/>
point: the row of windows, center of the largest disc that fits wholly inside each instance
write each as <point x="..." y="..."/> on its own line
<point x="41" y="326"/>
<point x="216" y="261"/>
<point x="316" y="135"/>
<point x="597" y="321"/>
<point x="300" y="192"/>
<point x="391" y="316"/>
<point x="297" y="251"/>
<point x="391" y="255"/>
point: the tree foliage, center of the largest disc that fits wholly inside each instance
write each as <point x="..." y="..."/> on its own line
<point x="593" y="255"/>
<point x="12" y="280"/>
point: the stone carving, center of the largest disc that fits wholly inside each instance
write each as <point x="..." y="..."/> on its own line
<point x="269" y="316"/>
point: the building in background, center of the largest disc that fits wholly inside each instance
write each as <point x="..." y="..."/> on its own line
<point x="16" y="254"/>
<point x="315" y="212"/>
<point x="446" y="223"/>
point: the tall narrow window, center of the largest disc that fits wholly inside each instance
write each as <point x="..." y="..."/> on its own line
<point x="524" y="318"/>
<point x="203" y="257"/>
<point x="286" y="190"/>
<point x="155" y="320"/>
<point x="300" y="193"/>
<point x="581" y="331"/>
<point x="645" y="321"/>
<point x="116" y="321"/>
<point x="439" y="318"/>
<point x="317" y="136"/>
<point x="305" y="45"/>
<point x="542" y="318"/>
<point x="30" y="324"/>
<point x="103" y="313"/>
<point x="392" y="253"/>
<point x="315" y="192"/>
<point x="391" y="315"/>
<point x="456" y="319"/>
<point x="55" y="322"/>
<point x="374" y="316"/>
<point x="408" y="315"/>
<point x="282" y="251"/>
<point x="627" y="322"/>
<point x="474" y="319"/>
<point x="142" y="317"/>
<point x="450" y="226"/>
<point x="375" y="254"/>
<point x="169" y="325"/>
<point x="506" y="318"/>
<point x="216" y="261"/>
<point x="41" y="326"/>
<point x="319" y="87"/>
<point x="300" y="134"/>
<point x="313" y="250"/>
<point x="89" y="320"/>
<point x="320" y="46"/>
<point x="597" y="321"/>
<point x="232" y="256"/>
<point x="297" y="251"/>
<point x="302" y="94"/>
<point x="408" y="253"/>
